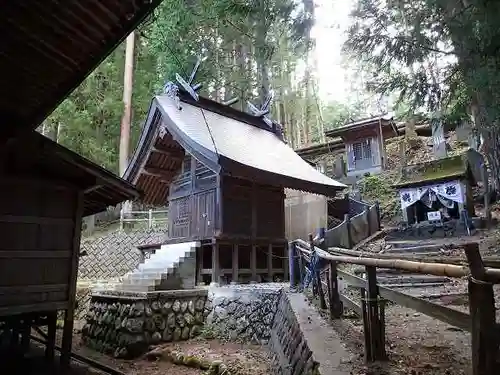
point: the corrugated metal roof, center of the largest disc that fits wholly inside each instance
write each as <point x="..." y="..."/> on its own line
<point x="241" y="149"/>
<point x="49" y="47"/>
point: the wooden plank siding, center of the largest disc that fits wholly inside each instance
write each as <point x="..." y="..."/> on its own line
<point x="36" y="247"/>
<point x="192" y="202"/>
<point x="252" y="210"/>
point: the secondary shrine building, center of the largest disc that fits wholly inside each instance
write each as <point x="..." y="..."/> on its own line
<point x="223" y="173"/>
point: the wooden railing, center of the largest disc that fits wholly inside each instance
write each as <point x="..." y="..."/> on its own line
<point x="311" y="264"/>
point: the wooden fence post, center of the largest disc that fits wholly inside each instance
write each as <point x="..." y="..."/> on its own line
<point x="336" y="307"/>
<point x="373" y="325"/>
<point x="485" y="338"/>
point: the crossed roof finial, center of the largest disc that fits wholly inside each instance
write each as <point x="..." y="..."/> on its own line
<point x="264" y="109"/>
<point x="188" y="85"/>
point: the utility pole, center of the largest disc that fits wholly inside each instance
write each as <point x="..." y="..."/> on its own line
<point x="128" y="78"/>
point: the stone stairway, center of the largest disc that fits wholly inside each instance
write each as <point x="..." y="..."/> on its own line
<point x="399" y="279"/>
<point x="171" y="267"/>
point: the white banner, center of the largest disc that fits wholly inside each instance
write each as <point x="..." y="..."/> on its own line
<point x="452" y="191"/>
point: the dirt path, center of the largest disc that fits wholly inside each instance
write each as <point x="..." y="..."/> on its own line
<point x="246" y="359"/>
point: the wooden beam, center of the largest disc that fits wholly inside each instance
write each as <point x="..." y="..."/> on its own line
<point x="163" y="174"/>
<point x="171" y="154"/>
<point x="450" y="316"/>
<point x="36" y="307"/>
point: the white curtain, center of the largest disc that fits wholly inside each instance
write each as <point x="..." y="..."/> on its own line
<point x="446" y="193"/>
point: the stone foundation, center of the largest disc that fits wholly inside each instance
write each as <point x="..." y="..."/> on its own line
<point x="291" y="353"/>
<point x="243" y="312"/>
<point x="125" y="324"/>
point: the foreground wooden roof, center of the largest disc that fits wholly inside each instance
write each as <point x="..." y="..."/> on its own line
<point x="35" y="155"/>
<point x="49" y="47"/>
<point x="226" y="140"/>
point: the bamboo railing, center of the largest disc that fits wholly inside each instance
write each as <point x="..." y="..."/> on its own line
<point x="312" y="261"/>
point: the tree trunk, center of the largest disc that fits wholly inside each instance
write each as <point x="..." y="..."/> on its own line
<point x="127" y="103"/>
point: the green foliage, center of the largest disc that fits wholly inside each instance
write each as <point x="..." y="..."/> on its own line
<point x="250" y="47"/>
<point x="439" y="55"/>
<point x="375" y="187"/>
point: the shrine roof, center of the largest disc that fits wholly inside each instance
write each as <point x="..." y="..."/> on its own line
<point x="434" y="171"/>
<point x="227" y="141"/>
<point x="384" y="120"/>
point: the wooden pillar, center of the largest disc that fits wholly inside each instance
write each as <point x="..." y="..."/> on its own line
<point x="14" y="338"/>
<point x="253" y="262"/>
<point x="199" y="275"/>
<point x="484" y="335"/>
<point x="236" y="251"/>
<point x="51" y="335"/>
<point x="270" y="262"/>
<point x="286" y="263"/>
<point x="25" y="335"/>
<point x="69" y="314"/>
<point x="215" y="263"/>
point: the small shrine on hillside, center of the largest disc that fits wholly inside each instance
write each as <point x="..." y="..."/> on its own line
<point x="438" y="189"/>
<point x="365" y="144"/>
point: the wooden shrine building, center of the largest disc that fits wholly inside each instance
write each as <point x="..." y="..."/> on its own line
<point x="223" y="173"/>
<point x="48" y="48"/>
<point x="365" y="144"/>
<point x="45" y="190"/>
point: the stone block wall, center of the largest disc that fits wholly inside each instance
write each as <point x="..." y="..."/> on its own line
<point x="244" y="312"/>
<point x="291" y="353"/>
<point x="125" y="324"/>
<point x="115" y="253"/>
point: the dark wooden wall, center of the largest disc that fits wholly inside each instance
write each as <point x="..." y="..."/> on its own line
<point x="192" y="202"/>
<point x="37" y="228"/>
<point x="203" y="205"/>
<point x="252" y="210"/>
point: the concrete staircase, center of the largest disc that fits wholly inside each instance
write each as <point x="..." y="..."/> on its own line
<point x="171" y="267"/>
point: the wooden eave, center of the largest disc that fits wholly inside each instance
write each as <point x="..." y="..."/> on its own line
<point x="44" y="158"/>
<point x="49" y="48"/>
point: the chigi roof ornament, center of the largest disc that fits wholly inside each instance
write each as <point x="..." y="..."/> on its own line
<point x="188" y="85"/>
<point x="172" y="89"/>
<point x="264" y="110"/>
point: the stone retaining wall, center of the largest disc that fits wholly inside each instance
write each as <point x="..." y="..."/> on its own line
<point x="125" y="324"/>
<point x="291" y="354"/>
<point x="243" y="312"/>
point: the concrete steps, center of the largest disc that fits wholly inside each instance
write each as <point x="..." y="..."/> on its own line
<point x="171" y="267"/>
